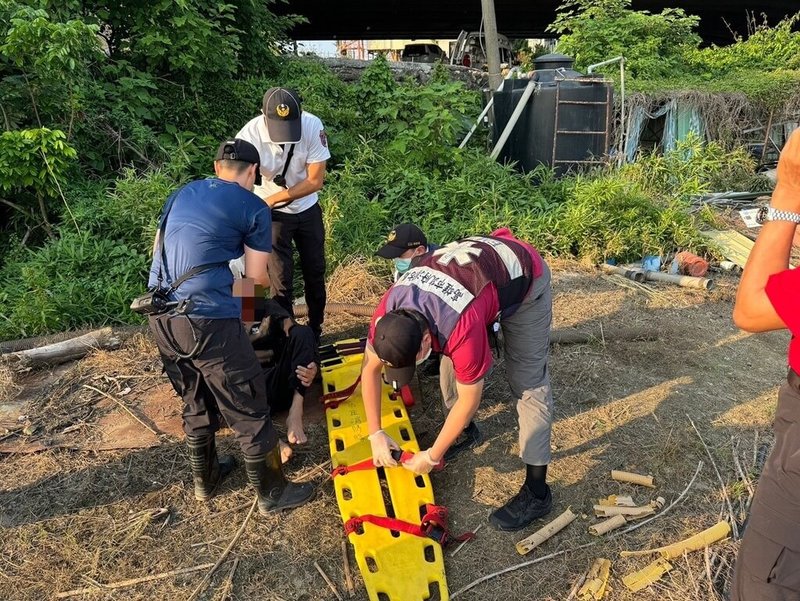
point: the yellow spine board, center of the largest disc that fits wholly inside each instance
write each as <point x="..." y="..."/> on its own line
<point x="402" y="567"/>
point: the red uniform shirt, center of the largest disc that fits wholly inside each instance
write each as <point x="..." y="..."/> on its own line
<point x="468" y="345"/>
<point x="783" y="291"/>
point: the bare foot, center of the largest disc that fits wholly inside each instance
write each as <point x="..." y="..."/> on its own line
<point x="286" y="451"/>
<point x="294" y="421"/>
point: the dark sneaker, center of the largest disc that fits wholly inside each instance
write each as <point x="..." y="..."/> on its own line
<point x="469" y="439"/>
<point x="521" y="510"/>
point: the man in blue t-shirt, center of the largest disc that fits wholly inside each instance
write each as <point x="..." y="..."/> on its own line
<point x="205" y="350"/>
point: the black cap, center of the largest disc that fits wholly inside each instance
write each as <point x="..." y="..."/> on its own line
<point x="240" y="150"/>
<point x="397" y="339"/>
<point x="402" y="238"/>
<point x="282" y="111"/>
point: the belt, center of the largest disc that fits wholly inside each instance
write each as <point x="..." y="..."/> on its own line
<point x="793" y="379"/>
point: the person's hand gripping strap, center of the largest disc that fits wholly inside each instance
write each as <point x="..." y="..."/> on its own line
<point x="382" y="446"/>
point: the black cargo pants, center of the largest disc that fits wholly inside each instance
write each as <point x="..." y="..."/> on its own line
<point x="280" y="374"/>
<point x="307" y="232"/>
<point x="223" y="377"/>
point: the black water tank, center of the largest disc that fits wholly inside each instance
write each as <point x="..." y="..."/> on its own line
<point x="566" y="122"/>
<point x="553" y="61"/>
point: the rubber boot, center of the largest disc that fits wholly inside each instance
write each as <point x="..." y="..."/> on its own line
<point x="275" y="492"/>
<point x="208" y="470"/>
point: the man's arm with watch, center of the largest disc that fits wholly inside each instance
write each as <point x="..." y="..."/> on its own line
<point x="315" y="178"/>
<point x="753" y="310"/>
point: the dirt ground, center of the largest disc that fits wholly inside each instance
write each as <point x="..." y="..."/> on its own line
<point x="72" y="518"/>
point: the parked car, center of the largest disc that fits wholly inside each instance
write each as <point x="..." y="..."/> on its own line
<point x="469" y="50"/>
<point x="422" y="53"/>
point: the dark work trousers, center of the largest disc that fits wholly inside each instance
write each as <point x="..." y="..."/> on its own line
<point x="768" y="566"/>
<point x="307" y="232"/>
<point x="280" y="371"/>
<point x="223" y="377"/>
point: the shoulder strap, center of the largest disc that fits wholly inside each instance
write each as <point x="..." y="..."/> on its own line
<point x="194" y="271"/>
<point x="288" y="160"/>
<point x="162" y="270"/>
<point x="162" y="231"/>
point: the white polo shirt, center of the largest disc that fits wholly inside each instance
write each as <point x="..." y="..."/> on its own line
<point x="312" y="148"/>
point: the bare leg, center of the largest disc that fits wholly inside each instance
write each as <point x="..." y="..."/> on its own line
<point x="294" y="421"/>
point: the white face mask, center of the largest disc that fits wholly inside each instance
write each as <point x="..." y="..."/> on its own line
<point x="425" y="358"/>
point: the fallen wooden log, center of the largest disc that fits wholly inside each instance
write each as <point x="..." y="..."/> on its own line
<point x="67" y="350"/>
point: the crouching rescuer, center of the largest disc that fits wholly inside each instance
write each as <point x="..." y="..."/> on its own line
<point x="449" y="302"/>
<point x="196" y="322"/>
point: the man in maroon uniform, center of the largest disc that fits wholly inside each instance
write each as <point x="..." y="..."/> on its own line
<point x="446" y="303"/>
<point x="768" y="567"/>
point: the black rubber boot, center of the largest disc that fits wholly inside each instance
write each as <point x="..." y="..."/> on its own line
<point x="521" y="510"/>
<point x="275" y="492"/>
<point x="208" y="470"/>
<point x="469" y="439"/>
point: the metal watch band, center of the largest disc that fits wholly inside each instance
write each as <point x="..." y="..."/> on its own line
<point x="777" y="215"/>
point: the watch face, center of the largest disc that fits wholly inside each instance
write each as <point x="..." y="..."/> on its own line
<point x="761" y="216"/>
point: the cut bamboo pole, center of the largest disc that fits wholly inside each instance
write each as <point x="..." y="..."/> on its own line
<point x="531" y="562"/>
<point x="617" y="501"/>
<point x="594" y="589"/>
<point x="632" y="478"/>
<point x="606" y="511"/>
<point x="527" y="545"/>
<point x="576" y="586"/>
<point x="707" y="537"/>
<point x="647" y="575"/>
<point x="602" y="511"/>
<point x="608" y="525"/>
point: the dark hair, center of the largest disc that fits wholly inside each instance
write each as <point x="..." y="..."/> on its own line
<point x="237" y="167"/>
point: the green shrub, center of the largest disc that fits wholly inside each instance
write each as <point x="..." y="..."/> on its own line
<point x="76" y="280"/>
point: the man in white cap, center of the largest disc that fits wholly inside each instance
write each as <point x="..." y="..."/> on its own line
<point x="293" y="149"/>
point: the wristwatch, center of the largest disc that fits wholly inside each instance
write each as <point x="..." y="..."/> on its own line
<point x="769" y="214"/>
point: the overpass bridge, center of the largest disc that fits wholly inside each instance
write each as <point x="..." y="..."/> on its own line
<point x="441" y="19"/>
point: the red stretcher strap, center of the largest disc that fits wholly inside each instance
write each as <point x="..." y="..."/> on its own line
<point x="333" y="399"/>
<point x="433" y="525"/>
<point x="341" y="470"/>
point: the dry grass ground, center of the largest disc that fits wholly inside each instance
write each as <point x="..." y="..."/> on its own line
<point x="70" y="519"/>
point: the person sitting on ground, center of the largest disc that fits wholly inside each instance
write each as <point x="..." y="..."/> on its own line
<point x="403" y="244"/>
<point x="287" y="353"/>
